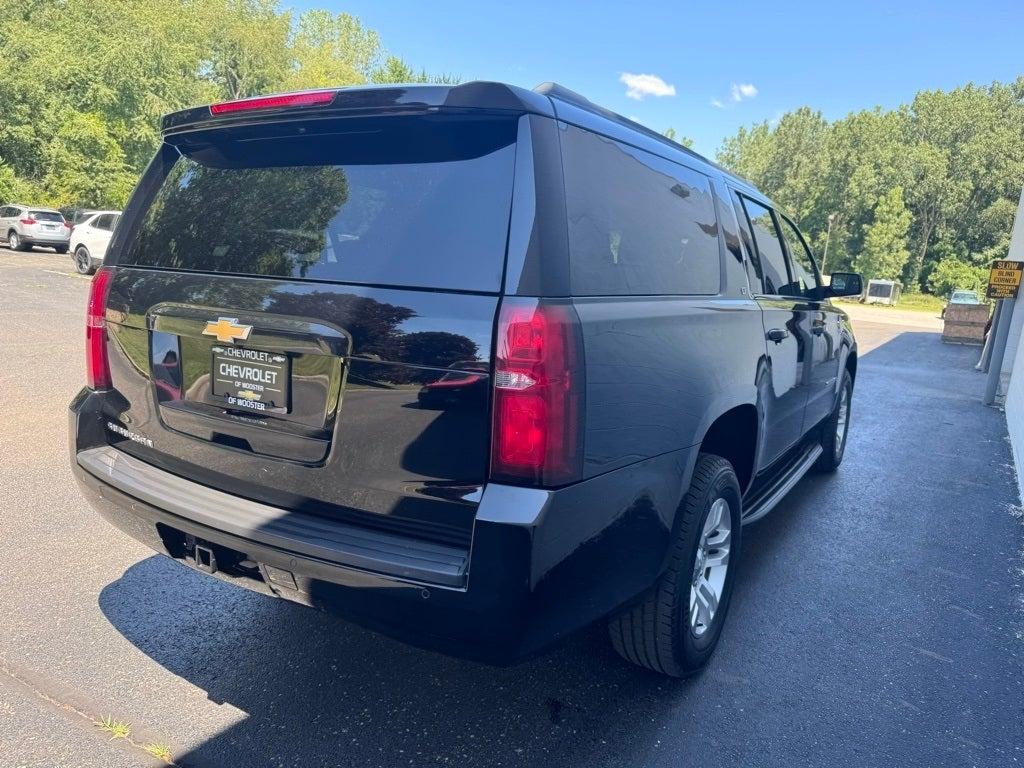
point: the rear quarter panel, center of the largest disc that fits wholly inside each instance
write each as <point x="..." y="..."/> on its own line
<point x="660" y="370"/>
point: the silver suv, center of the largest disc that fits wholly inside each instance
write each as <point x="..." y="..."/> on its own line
<point x="23" y="227"/>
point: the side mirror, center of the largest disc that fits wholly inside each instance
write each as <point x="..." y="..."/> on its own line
<point x="845" y="284"/>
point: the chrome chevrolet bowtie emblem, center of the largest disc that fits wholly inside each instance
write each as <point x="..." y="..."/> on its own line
<point x="227" y="329"/>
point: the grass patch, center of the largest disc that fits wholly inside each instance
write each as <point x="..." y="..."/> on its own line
<point x="921" y="302"/>
<point x="159" y="751"/>
<point x="118" y="729"/>
<point x="913" y="302"/>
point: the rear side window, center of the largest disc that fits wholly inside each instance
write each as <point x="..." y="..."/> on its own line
<point x="419" y="202"/>
<point x="771" y="258"/>
<point x="638" y="224"/>
<point x="46" y="216"/>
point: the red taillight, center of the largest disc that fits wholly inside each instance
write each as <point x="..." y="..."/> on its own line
<point x="537" y="393"/>
<point x="29" y="220"/>
<point x="97" y="366"/>
<point x="68" y="225"/>
<point x="302" y="99"/>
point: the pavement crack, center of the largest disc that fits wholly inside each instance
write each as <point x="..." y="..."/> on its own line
<point x="25" y="683"/>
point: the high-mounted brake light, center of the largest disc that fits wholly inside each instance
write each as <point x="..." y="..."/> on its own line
<point x="97" y="366"/>
<point x="538" y="390"/>
<point x="301" y="99"/>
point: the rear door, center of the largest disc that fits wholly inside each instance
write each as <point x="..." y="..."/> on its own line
<point x="785" y="394"/>
<point x="292" y="303"/>
<point x="99" y="232"/>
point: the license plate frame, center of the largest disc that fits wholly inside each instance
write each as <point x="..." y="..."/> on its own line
<point x="252" y="380"/>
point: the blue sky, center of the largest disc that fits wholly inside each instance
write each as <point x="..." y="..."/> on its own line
<point x="755" y="60"/>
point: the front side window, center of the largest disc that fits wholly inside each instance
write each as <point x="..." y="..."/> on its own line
<point x="805" y="279"/>
<point x="638" y="224"/>
<point x="771" y="258"/>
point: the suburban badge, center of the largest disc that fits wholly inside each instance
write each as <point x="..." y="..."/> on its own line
<point x="227" y="329"/>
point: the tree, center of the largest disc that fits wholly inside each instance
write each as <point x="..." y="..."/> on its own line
<point x="671" y="135"/>
<point x="250" y="54"/>
<point x="395" y="70"/>
<point x="958" y="155"/>
<point x="83" y="84"/>
<point x="885" y="242"/>
<point x="950" y="274"/>
<point x="331" y="50"/>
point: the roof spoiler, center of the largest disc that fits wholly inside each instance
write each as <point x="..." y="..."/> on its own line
<point x="361" y="100"/>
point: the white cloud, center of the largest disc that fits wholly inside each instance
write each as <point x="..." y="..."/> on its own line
<point x="742" y="91"/>
<point x="717" y="104"/>
<point x="641" y="86"/>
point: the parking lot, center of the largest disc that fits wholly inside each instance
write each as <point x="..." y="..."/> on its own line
<point x="877" y="618"/>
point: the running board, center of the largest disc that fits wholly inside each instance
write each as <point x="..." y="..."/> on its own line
<point x="771" y="496"/>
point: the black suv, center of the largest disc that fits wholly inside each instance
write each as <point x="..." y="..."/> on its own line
<point x="471" y="365"/>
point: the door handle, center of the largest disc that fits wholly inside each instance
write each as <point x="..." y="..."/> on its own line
<point x="777" y="335"/>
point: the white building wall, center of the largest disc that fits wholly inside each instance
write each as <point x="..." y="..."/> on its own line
<point x="1016" y="254"/>
<point x="1015" y="353"/>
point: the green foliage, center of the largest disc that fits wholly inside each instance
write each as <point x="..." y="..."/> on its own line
<point x="885" y="241"/>
<point x="671" y="135"/>
<point x="395" y="70"/>
<point x="83" y="84"/>
<point x="950" y="274"/>
<point x="957" y="155"/>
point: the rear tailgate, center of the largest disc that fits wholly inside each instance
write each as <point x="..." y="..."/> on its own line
<point x="302" y="315"/>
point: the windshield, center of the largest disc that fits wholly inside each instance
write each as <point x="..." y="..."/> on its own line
<point x="400" y="201"/>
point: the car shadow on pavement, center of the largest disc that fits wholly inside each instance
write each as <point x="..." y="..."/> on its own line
<point x="321" y="691"/>
<point x="318" y="691"/>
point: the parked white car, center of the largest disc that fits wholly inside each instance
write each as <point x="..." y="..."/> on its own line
<point x="23" y="227"/>
<point x="90" y="239"/>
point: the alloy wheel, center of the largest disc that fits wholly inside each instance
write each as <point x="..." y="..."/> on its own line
<point x="82" y="261"/>
<point x="710" y="566"/>
<point x="843" y="421"/>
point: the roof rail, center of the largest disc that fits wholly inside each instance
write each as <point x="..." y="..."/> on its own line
<point x="569" y="96"/>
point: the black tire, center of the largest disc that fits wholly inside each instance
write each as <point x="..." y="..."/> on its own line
<point x="656" y="633"/>
<point x="61" y="249"/>
<point x="83" y="264"/>
<point x="14" y="241"/>
<point x="833" y="448"/>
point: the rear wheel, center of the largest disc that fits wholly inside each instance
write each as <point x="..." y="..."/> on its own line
<point x="82" y="261"/>
<point x="61" y="248"/>
<point x="675" y="628"/>
<point x="835" y="429"/>
<point x="14" y="242"/>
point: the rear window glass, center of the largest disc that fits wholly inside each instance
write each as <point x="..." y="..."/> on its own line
<point x="638" y="224"/>
<point x="46" y="216"/>
<point x="418" y="202"/>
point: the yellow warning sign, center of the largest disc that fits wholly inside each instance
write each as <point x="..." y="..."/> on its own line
<point x="1004" y="279"/>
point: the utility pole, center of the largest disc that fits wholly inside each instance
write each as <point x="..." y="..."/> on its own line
<point x="828" y="236"/>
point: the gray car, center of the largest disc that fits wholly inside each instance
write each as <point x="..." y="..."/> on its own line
<point x="23" y="226"/>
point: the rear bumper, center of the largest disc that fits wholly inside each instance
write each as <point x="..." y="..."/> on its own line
<point x="542" y="564"/>
<point x="46" y="240"/>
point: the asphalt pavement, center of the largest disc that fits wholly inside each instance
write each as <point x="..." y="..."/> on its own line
<point x="877" y="618"/>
